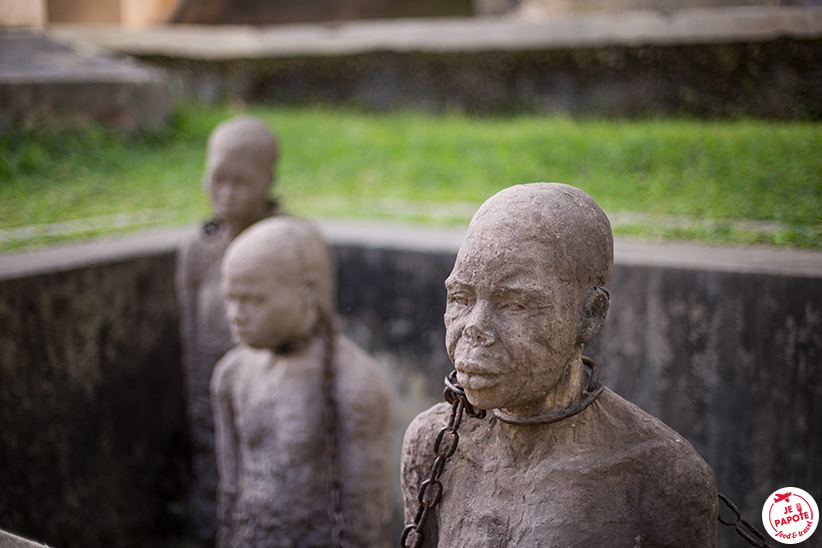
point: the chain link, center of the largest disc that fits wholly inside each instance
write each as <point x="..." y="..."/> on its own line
<point x="335" y="512"/>
<point x="445" y="445"/>
<point x="745" y="529"/>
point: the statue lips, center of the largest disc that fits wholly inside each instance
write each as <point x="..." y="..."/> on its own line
<point x="240" y="330"/>
<point x="474" y="376"/>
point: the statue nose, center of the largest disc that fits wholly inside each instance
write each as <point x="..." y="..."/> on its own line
<point x="479" y="336"/>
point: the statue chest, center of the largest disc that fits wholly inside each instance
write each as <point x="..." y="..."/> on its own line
<point x="212" y="329"/>
<point x="565" y="503"/>
<point x="279" y="419"/>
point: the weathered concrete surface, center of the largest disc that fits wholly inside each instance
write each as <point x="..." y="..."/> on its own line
<point x="764" y="62"/>
<point x="731" y="360"/>
<point x="92" y="431"/>
<point x="723" y="345"/>
<point x="45" y="81"/>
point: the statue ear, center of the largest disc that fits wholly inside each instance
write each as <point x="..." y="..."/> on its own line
<point x="594" y="310"/>
<point x="308" y="288"/>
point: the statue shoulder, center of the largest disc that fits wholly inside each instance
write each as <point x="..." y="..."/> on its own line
<point x="423" y="429"/>
<point x="639" y="430"/>
<point x="199" y="252"/>
<point x="655" y="447"/>
<point x="359" y="373"/>
<point x="226" y="369"/>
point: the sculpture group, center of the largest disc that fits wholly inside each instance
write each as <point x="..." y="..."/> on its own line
<point x="532" y="451"/>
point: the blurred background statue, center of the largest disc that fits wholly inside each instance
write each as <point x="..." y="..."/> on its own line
<point x="239" y="173"/>
<point x="302" y="414"/>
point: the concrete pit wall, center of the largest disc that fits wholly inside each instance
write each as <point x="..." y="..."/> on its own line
<point x="92" y="440"/>
<point x="92" y="433"/>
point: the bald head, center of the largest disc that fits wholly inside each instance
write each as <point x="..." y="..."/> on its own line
<point x="247" y="134"/>
<point x="289" y="247"/>
<point x="276" y="275"/>
<point x="527" y="292"/>
<point x="558" y="221"/>
<point x="239" y="170"/>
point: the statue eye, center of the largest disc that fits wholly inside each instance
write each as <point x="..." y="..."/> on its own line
<point x="460" y="298"/>
<point x="513" y="306"/>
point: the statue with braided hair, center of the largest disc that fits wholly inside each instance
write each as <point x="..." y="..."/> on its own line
<point x="557" y="460"/>
<point x="301" y="413"/>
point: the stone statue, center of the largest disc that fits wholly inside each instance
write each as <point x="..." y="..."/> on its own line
<point x="559" y="460"/>
<point x="302" y="414"/>
<point x="241" y="157"/>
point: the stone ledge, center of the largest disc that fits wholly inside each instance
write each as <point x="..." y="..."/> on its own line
<point x="751" y="260"/>
<point x="454" y="35"/>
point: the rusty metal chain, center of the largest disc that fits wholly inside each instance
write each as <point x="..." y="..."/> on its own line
<point x="431" y="489"/>
<point x="590" y="393"/>
<point x="745" y="529"/>
<point x="335" y="510"/>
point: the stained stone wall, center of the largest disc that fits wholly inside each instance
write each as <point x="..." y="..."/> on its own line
<point x="92" y="442"/>
<point x="732" y="362"/>
<point x="92" y="438"/>
<point x="776" y="79"/>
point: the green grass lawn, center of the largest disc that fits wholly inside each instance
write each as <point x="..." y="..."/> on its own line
<point x="732" y="182"/>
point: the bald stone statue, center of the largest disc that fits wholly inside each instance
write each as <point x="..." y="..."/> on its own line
<point x="559" y="460"/>
<point x="302" y="414"/>
<point x="241" y="157"/>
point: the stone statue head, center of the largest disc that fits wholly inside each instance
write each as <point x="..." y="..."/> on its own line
<point x="527" y="291"/>
<point x="239" y="170"/>
<point x="276" y="277"/>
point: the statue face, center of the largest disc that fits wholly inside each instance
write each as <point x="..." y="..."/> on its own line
<point x="511" y="323"/>
<point x="266" y="304"/>
<point x="236" y="185"/>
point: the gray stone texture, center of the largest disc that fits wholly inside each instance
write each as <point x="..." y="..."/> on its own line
<point x="44" y="81"/>
<point x="713" y="62"/>
<point x="741" y="325"/>
<point x="731" y="361"/>
<point x="93" y="447"/>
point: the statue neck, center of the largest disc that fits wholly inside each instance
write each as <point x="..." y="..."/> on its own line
<point x="232" y="227"/>
<point x="586" y="393"/>
<point x="566" y="392"/>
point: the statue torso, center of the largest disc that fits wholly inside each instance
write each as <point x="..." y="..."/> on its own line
<point x="611" y="476"/>
<point x="283" y="479"/>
